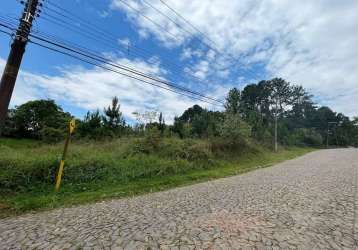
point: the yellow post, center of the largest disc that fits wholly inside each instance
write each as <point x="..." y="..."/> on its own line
<point x="71" y="128"/>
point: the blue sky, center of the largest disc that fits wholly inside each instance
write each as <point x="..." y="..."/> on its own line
<point x="313" y="47"/>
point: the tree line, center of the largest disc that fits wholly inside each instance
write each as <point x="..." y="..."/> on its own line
<point x="271" y="112"/>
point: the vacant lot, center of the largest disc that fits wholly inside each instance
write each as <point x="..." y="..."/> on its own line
<point x="125" y="167"/>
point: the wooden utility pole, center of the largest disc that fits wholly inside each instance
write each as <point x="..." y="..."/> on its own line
<point x="276" y="146"/>
<point x="327" y="138"/>
<point x="17" y="51"/>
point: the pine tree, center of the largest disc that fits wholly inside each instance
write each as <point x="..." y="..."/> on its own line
<point x="113" y="118"/>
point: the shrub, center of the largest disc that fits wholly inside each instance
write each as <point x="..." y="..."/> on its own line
<point x="234" y="133"/>
<point x="151" y="142"/>
<point x="302" y="137"/>
<point x="52" y="135"/>
<point x="199" y="151"/>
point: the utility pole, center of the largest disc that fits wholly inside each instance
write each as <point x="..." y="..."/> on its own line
<point x="276" y="147"/>
<point x="328" y="132"/>
<point x="17" y="51"/>
<point x="327" y="135"/>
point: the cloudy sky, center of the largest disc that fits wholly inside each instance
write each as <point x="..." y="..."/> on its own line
<point x="219" y="45"/>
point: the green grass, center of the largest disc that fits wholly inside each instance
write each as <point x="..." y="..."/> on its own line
<point x="120" y="168"/>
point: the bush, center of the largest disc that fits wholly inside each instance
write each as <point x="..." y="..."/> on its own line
<point x="304" y="137"/>
<point x="200" y="151"/>
<point x="151" y="142"/>
<point x="234" y="133"/>
<point x="52" y="135"/>
<point x="22" y="173"/>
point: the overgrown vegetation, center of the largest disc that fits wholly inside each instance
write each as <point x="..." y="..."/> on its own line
<point x="111" y="158"/>
<point x="116" y="168"/>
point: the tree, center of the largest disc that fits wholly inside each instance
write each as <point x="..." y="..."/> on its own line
<point x="255" y="108"/>
<point x="190" y="113"/>
<point x="183" y="125"/>
<point x="148" y="117"/>
<point x="91" y="126"/>
<point x="32" y="117"/>
<point x="113" y="118"/>
<point x="161" y="125"/>
<point x="198" y="122"/>
<point x="280" y="97"/>
<point x="232" y="104"/>
<point x="9" y="129"/>
<point x="234" y="131"/>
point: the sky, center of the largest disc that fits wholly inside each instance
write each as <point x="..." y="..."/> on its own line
<point x="219" y="45"/>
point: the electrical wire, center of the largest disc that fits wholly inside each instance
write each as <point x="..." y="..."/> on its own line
<point x="5" y="32"/>
<point x="208" y="38"/>
<point x="118" y="72"/>
<point x="102" y="60"/>
<point x="123" y="67"/>
<point x="109" y="40"/>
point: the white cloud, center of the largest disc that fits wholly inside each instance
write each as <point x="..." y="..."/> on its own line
<point x="93" y="88"/>
<point x="312" y="43"/>
<point x="189" y="53"/>
<point x="103" y="13"/>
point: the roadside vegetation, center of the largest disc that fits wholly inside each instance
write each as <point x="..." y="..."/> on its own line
<point x="109" y="158"/>
<point x="117" y="168"/>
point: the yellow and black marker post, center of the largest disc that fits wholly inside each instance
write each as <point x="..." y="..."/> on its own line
<point x="71" y="128"/>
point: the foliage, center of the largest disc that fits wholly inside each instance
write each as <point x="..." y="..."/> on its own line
<point x="199" y="144"/>
<point x="29" y="119"/>
<point x="161" y="125"/>
<point x="234" y="133"/>
<point x="197" y="122"/>
<point x="152" y="141"/>
<point x="304" y="137"/>
<point x="233" y="101"/>
<point x="52" y="135"/>
<point x="92" y="126"/>
<point x="253" y="113"/>
<point x="113" y="119"/>
<point x="96" y="170"/>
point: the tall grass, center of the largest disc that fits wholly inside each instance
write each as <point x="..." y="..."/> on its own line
<point x="116" y="168"/>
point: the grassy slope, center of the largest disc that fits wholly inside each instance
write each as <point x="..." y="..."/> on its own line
<point x="19" y="153"/>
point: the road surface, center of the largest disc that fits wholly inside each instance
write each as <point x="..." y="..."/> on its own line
<point x="306" y="203"/>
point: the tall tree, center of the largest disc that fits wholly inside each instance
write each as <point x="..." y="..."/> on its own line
<point x="113" y="117"/>
<point x="161" y="125"/>
<point x="255" y="108"/>
<point x="281" y="95"/>
<point x="232" y="104"/>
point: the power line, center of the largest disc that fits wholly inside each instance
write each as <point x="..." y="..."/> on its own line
<point x="89" y="34"/>
<point x="75" y="17"/>
<point x="74" y="45"/>
<point x="8" y="21"/>
<point x="96" y="28"/>
<point x="186" y="21"/>
<point x="81" y="49"/>
<point x="118" y="72"/>
<point x="175" y="37"/>
<point x="5" y="32"/>
<point x="205" y="36"/>
<point x="168" y="17"/>
<point x="110" y="38"/>
<point x="123" y="67"/>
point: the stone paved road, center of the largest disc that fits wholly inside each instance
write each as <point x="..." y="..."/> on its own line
<point x="307" y="203"/>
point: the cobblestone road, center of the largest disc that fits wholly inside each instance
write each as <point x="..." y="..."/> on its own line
<point x="307" y="203"/>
